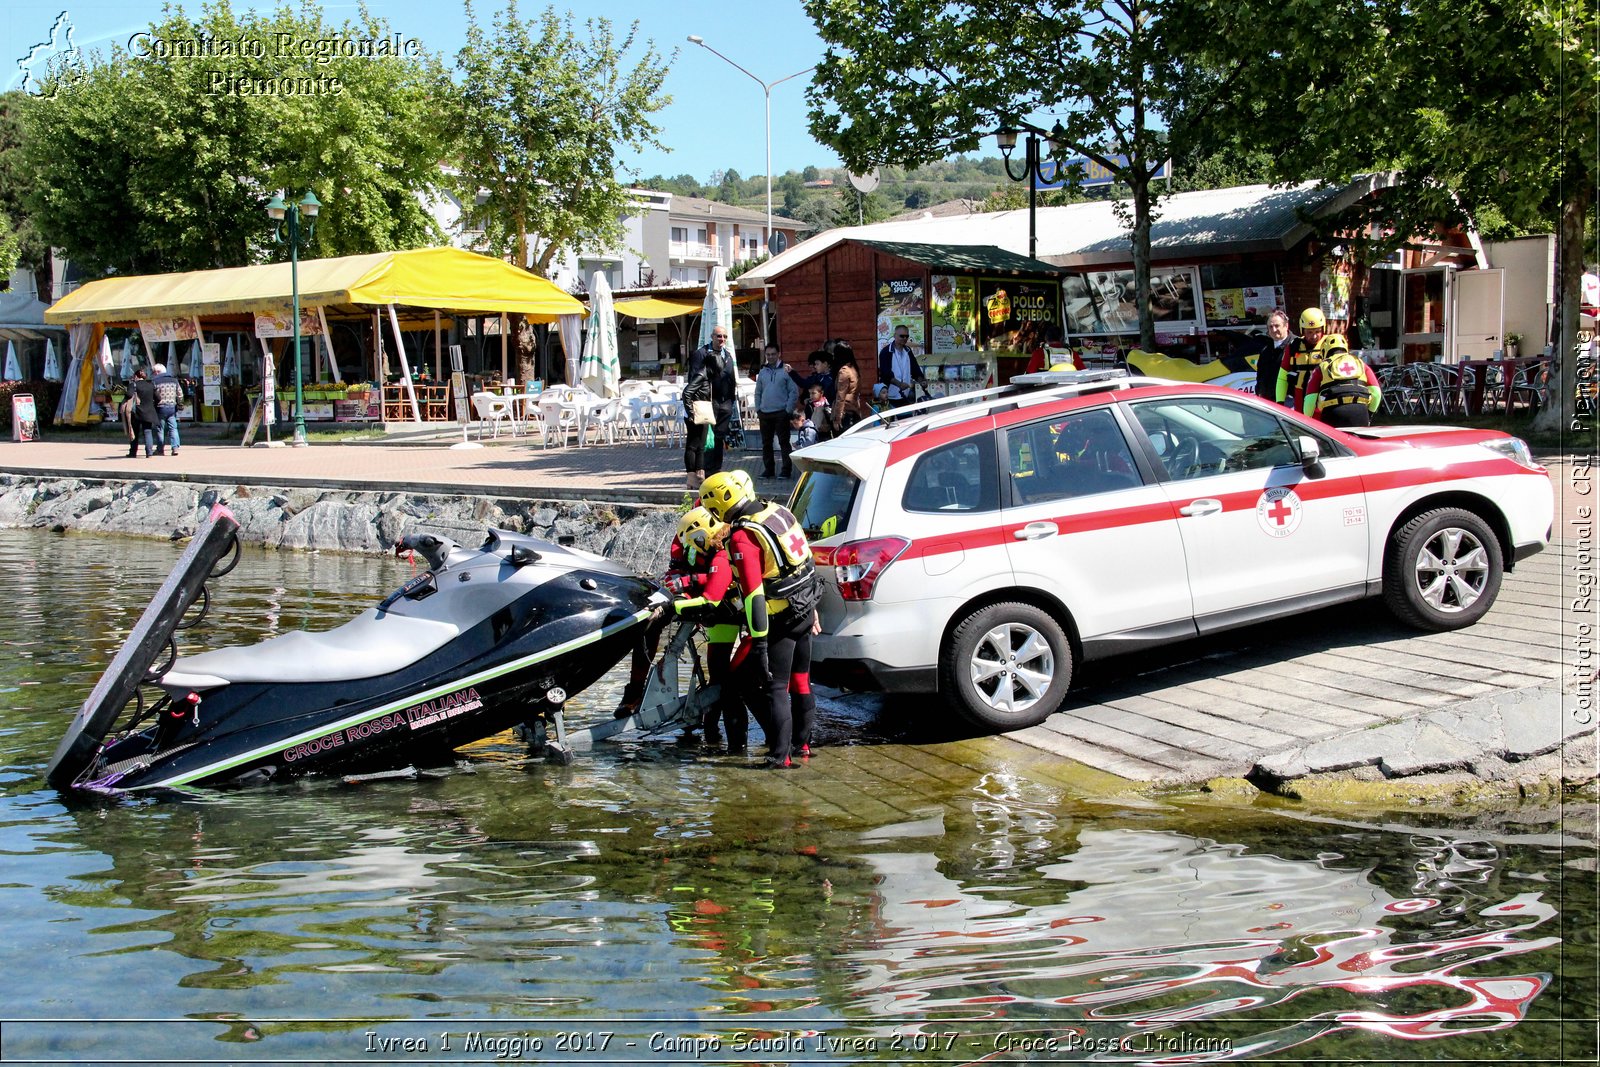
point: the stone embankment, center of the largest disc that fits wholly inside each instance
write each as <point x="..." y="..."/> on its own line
<point x="331" y="519"/>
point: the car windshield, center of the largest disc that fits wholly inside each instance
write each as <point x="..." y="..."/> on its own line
<point x="822" y="500"/>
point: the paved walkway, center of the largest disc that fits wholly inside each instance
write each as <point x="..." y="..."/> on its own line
<point x="626" y="472"/>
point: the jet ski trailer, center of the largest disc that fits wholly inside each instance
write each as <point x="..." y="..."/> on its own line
<point x="483" y="640"/>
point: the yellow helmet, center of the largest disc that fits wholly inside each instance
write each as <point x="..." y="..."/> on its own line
<point x="696" y="529"/>
<point x="1312" y="319"/>
<point x="724" y="491"/>
<point x="1331" y="342"/>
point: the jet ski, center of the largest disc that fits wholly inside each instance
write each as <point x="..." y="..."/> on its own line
<point x="484" y="639"/>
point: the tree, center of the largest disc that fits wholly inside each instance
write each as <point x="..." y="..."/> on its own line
<point x="809" y="174"/>
<point x="20" y="242"/>
<point x="542" y="113"/>
<point x="1483" y="107"/>
<point x="146" y="160"/>
<point x="911" y="81"/>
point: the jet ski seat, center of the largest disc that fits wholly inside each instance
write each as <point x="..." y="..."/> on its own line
<point x="368" y="645"/>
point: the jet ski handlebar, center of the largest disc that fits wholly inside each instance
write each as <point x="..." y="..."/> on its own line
<point x="436" y="550"/>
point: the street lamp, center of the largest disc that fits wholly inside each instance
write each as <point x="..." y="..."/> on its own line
<point x="283" y="213"/>
<point x="1032" y="170"/>
<point x="766" y="88"/>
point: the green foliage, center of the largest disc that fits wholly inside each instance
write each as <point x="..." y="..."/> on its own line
<point x="152" y="161"/>
<point x="911" y="81"/>
<point x="542" y="112"/>
<point x="20" y="242"/>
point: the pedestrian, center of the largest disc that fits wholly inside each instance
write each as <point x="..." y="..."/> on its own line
<point x="700" y="573"/>
<point x="1342" y="390"/>
<point x="169" y="394"/>
<point x="846" y="388"/>
<point x="1053" y="353"/>
<point x="821" y="414"/>
<point x="898" y="370"/>
<point x="1269" y="360"/>
<point x="141" y="407"/>
<point x="820" y="375"/>
<point x="776" y="399"/>
<point x="801" y="429"/>
<point x="778" y="580"/>
<point x="1300" y="358"/>
<point x="711" y="380"/>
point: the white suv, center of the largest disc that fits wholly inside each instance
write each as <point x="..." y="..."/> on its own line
<point x="981" y="545"/>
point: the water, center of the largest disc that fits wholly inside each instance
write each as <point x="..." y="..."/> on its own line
<point x="905" y="898"/>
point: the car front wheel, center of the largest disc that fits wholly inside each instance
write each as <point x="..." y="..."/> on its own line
<point x="1442" y="571"/>
<point x="1007" y="666"/>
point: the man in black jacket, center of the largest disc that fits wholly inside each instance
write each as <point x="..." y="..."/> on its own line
<point x="142" y="395"/>
<point x="711" y="378"/>
<point x="898" y="370"/>
<point x="1270" y="359"/>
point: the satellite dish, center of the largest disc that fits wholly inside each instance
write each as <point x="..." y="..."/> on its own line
<point x="865" y="183"/>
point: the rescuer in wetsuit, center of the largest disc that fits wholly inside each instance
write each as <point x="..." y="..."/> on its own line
<point x="1342" y="391"/>
<point x="1300" y="358"/>
<point x="701" y="576"/>
<point x="773" y="567"/>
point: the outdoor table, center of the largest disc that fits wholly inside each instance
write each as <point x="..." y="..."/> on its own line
<point x="1505" y="389"/>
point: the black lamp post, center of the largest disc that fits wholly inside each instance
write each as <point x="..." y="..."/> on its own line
<point x="287" y="230"/>
<point x="1032" y="170"/>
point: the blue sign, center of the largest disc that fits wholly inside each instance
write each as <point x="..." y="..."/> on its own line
<point x="1053" y="175"/>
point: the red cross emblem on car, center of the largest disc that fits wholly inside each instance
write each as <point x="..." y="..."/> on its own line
<point x="1278" y="511"/>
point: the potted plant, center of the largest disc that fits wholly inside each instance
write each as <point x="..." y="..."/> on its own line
<point x="1513" y="345"/>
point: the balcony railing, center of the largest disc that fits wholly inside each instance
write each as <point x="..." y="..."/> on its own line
<point x="692" y="250"/>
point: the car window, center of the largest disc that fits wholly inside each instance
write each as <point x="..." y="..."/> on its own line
<point x="1076" y="455"/>
<point x="1199" y="436"/>
<point x="959" y="476"/>
<point x="822" y="500"/>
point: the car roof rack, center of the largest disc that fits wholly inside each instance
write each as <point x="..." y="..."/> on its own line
<point x="1040" y="385"/>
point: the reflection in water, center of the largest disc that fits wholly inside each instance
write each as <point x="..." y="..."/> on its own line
<point x="887" y="895"/>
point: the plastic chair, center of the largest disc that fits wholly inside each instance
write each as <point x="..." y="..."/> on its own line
<point x="492" y="410"/>
<point x="556" y="419"/>
<point x="604" y="419"/>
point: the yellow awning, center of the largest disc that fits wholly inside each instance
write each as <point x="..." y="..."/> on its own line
<point x="651" y="307"/>
<point x="443" y="278"/>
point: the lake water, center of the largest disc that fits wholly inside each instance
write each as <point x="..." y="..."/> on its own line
<point x="907" y="897"/>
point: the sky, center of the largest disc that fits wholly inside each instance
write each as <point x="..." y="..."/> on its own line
<point x="716" y="120"/>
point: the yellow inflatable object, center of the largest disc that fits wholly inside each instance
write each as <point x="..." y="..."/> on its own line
<point x="1157" y="365"/>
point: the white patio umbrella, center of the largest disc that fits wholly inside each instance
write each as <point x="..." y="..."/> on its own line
<point x="194" y="359"/>
<point x="601" y="369"/>
<point x="718" y="309"/>
<point x="52" y="362"/>
<point x="125" y="371"/>
<point x="13" y="372"/>
<point x="569" y="328"/>
<point x="230" y="361"/>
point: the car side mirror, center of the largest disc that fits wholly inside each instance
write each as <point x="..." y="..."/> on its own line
<point x="1310" y="455"/>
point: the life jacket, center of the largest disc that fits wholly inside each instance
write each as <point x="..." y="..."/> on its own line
<point x="1343" y="380"/>
<point x="788" y="572"/>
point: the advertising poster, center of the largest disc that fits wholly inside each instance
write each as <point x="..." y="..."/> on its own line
<point x="901" y="303"/>
<point x="211" y="375"/>
<point x="279" y="322"/>
<point x="1013" y="312"/>
<point x="24" y="418"/>
<point x="1113" y="305"/>
<point x="157" y="331"/>
<point x="954" y="305"/>
<point x="1248" y="306"/>
<point x="1336" y="290"/>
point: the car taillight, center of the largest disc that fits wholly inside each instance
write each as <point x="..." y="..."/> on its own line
<point x="822" y="555"/>
<point x="858" y="565"/>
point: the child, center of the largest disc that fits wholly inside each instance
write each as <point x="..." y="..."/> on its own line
<point x="801" y="430"/>
<point x="821" y="412"/>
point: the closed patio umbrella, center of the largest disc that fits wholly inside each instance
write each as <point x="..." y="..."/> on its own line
<point x="718" y="309"/>
<point x="601" y="370"/>
<point x="13" y="371"/>
<point x="52" y="362"/>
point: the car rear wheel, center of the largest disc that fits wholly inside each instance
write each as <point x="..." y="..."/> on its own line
<point x="1006" y="666"/>
<point x="1442" y="571"/>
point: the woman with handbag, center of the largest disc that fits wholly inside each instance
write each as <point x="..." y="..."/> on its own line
<point x="710" y="404"/>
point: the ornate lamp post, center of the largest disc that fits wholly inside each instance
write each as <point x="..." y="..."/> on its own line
<point x="287" y="230"/>
<point x="1032" y="170"/>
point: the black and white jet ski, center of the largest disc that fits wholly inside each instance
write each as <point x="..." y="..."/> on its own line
<point x="484" y="639"/>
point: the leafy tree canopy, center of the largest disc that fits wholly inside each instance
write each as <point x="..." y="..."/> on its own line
<point x="911" y="81"/>
<point x="162" y="159"/>
<point x="542" y="112"/>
